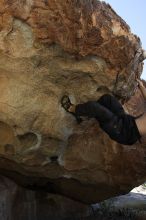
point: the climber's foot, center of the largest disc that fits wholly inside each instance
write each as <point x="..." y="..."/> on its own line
<point x="67" y="105"/>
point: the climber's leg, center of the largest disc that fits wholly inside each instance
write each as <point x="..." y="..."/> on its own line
<point x="121" y="128"/>
<point x="111" y="103"/>
<point x="93" y="109"/>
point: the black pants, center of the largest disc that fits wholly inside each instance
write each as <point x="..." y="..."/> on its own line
<point x="112" y="118"/>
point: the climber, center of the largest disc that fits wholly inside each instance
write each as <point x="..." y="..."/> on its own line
<point x="120" y="126"/>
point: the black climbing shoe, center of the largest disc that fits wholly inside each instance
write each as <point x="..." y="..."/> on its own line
<point x="66" y="103"/>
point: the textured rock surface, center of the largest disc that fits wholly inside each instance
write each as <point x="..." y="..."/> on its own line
<point x="52" y="48"/>
<point x="22" y="204"/>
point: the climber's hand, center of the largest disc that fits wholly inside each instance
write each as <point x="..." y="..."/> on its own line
<point x="142" y="88"/>
<point x="140" y="83"/>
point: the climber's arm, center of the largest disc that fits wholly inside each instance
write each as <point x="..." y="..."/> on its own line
<point x="142" y="88"/>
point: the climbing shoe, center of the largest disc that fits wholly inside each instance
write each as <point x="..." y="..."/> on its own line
<point x="66" y="104"/>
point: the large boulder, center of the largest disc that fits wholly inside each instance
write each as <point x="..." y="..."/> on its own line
<point x="48" y="49"/>
<point x="23" y="204"/>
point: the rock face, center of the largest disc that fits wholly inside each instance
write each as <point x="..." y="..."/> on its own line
<point x="22" y="204"/>
<point x="48" y="49"/>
